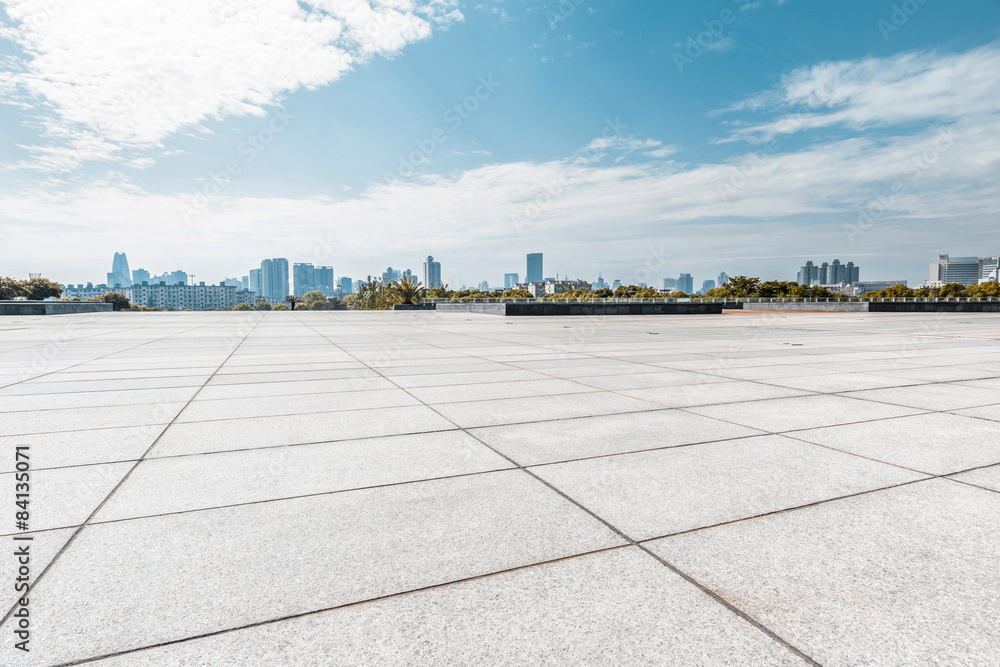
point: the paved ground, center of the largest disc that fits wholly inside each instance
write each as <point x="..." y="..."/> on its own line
<point x="397" y="488"/>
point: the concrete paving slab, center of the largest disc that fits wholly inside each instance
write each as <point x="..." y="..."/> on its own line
<point x="189" y="574"/>
<point x="632" y="611"/>
<point x="650" y="494"/>
<point x="899" y="577"/>
<point x="805" y="412"/>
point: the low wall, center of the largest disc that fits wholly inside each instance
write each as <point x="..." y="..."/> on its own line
<point x="550" y="309"/>
<point x="53" y="307"/>
<point x="422" y="306"/>
<point x="813" y="307"/>
<point x="935" y="307"/>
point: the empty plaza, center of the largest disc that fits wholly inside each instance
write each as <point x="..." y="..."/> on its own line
<point x="423" y="488"/>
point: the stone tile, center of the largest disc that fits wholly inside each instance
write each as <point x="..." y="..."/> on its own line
<point x="933" y="396"/>
<point x="648" y="380"/>
<point x="447" y="379"/>
<point x="177" y="484"/>
<point x="498" y="390"/>
<point x="900" y="577"/>
<point x="273" y="406"/>
<point x="841" y="382"/>
<point x="552" y="441"/>
<point x="92" y="399"/>
<point x="633" y="611"/>
<point x="935" y="443"/>
<point x="187" y="574"/>
<point x="77" y="448"/>
<point x="541" y="408"/>
<point x="255" y="432"/>
<point x="42" y="548"/>
<point x="302" y="387"/>
<point x="792" y="414"/>
<point x="79" y="419"/>
<point x="713" y="393"/>
<point x="650" y="494"/>
<point x="988" y="478"/>
<point x="62" y="497"/>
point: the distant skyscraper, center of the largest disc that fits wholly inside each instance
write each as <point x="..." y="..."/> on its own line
<point x="255" y="284"/>
<point x="303" y="278"/>
<point x="723" y="279"/>
<point x="484" y="286"/>
<point x="828" y="274"/>
<point x="432" y="273"/>
<point x="964" y="270"/>
<point x="707" y="285"/>
<point x="232" y="282"/>
<point x="669" y="283"/>
<point x="345" y="286"/>
<point x="616" y="284"/>
<point x="599" y="283"/>
<point x="685" y="283"/>
<point x="120" y="276"/>
<point x="510" y="279"/>
<point x="246" y="283"/>
<point x="140" y="276"/>
<point x="324" y="280"/>
<point x="274" y="278"/>
<point x="535" y="271"/>
<point x="390" y="275"/>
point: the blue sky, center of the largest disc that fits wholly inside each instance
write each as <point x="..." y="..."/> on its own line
<point x="638" y="140"/>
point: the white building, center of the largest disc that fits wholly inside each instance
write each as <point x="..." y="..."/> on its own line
<point x="180" y="297"/>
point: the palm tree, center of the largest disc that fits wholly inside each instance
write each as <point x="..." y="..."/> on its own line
<point x="292" y="301"/>
<point x="406" y="291"/>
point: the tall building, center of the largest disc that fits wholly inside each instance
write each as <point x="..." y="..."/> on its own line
<point x="535" y="271"/>
<point x="390" y="275"/>
<point x="432" y="273"/>
<point x="707" y="285"/>
<point x="303" y="278"/>
<point x="965" y="270"/>
<point x="254" y="283"/>
<point x="484" y="286"/>
<point x="120" y="276"/>
<point x="685" y="283"/>
<point x="324" y="280"/>
<point x="246" y="283"/>
<point x="510" y="279"/>
<point x="616" y="284"/>
<point x="723" y="279"/>
<point x="828" y="273"/>
<point x="599" y="283"/>
<point x="232" y="282"/>
<point x="140" y="276"/>
<point x="670" y="283"/>
<point x="345" y="286"/>
<point x="274" y="278"/>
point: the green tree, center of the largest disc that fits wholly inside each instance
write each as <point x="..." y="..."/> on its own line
<point x="12" y="289"/>
<point x="742" y="287"/>
<point x="371" y="295"/>
<point x="280" y="306"/>
<point x="292" y="301"/>
<point x="986" y="291"/>
<point x="262" y="305"/>
<point x="952" y="289"/>
<point x="42" y="288"/>
<point x="117" y="300"/>
<point x="309" y="298"/>
<point x="243" y="306"/>
<point x="894" y="292"/>
<point x="516" y="294"/>
<point x="406" y="291"/>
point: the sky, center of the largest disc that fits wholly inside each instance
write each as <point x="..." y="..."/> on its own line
<point x="635" y="140"/>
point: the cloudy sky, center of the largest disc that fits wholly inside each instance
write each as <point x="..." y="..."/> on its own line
<point x="631" y="139"/>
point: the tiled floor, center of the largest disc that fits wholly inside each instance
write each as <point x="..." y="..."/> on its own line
<point x="410" y="488"/>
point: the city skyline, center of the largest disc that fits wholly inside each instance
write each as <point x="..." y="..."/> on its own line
<point x="622" y="135"/>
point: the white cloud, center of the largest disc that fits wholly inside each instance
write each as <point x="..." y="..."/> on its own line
<point x="111" y="78"/>
<point x="880" y="92"/>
